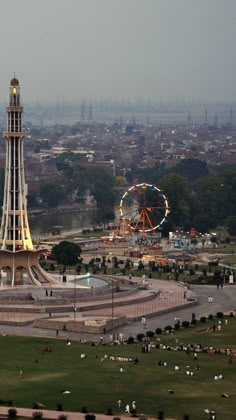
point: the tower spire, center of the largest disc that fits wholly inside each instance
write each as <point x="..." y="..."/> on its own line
<point x="18" y="259"/>
<point x="15" y="233"/>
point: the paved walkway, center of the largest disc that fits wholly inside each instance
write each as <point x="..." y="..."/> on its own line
<point x="50" y="414"/>
<point x="223" y="300"/>
<point x="134" y="305"/>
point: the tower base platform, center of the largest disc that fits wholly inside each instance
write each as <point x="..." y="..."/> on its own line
<point x="22" y="267"/>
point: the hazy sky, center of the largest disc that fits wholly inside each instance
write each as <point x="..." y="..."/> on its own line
<point x="160" y="49"/>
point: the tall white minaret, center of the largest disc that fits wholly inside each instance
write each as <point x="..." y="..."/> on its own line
<point x="15" y="233"/>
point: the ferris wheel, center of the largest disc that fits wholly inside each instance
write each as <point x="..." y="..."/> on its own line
<point x="143" y="208"/>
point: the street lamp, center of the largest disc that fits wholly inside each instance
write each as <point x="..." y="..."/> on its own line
<point x="75" y="297"/>
<point x="112" y="298"/>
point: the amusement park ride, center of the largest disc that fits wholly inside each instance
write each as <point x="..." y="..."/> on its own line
<point x="143" y="210"/>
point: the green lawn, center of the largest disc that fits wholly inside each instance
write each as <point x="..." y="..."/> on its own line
<point x="98" y="385"/>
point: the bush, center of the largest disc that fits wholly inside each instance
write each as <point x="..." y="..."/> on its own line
<point x="6" y="402"/>
<point x="231" y="314"/>
<point x="62" y="417"/>
<point x="185" y="324"/>
<point x="161" y="415"/>
<point x="210" y="316"/>
<point x="109" y="412"/>
<point x="133" y="412"/>
<point x="220" y="315"/>
<point x="203" y="319"/>
<point x="150" y="334"/>
<point x="158" y="331"/>
<point x="59" y="407"/>
<point x="194" y="321"/>
<point x="116" y="418"/>
<point x="12" y="413"/>
<point x="90" y="416"/>
<point x="177" y="326"/>
<point x="37" y="415"/>
<point x="140" y="337"/>
<point x="168" y="328"/>
<point x="84" y="409"/>
<point x="130" y="340"/>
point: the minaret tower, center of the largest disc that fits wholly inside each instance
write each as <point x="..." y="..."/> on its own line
<point x="15" y="233"/>
<point x="18" y="260"/>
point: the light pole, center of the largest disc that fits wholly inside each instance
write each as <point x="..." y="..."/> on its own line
<point x="112" y="298"/>
<point x="75" y="297"/>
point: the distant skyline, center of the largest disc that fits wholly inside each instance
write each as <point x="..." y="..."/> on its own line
<point x="176" y="50"/>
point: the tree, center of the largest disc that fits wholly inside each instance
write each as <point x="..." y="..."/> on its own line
<point x="191" y="169"/>
<point x="231" y="225"/>
<point x="52" y="194"/>
<point x="120" y="181"/>
<point x="66" y="253"/>
<point x="179" y="197"/>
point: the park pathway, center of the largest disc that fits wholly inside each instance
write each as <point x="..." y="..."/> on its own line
<point x="50" y="414"/>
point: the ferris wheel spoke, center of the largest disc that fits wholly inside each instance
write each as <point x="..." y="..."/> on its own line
<point x="128" y="201"/>
<point x="128" y="214"/>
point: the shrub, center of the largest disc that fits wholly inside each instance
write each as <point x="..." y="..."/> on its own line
<point x="90" y="416"/>
<point x="158" y="331"/>
<point x="161" y="415"/>
<point x="109" y="412"/>
<point x="150" y="334"/>
<point x="130" y="340"/>
<point x="220" y="315"/>
<point x="194" y="321"/>
<point x="210" y="316"/>
<point x="6" y="402"/>
<point x="133" y="412"/>
<point x="185" y="324"/>
<point x="203" y="319"/>
<point x="168" y="328"/>
<point x="186" y="417"/>
<point x="116" y="418"/>
<point x="59" y="407"/>
<point x="177" y="326"/>
<point x="140" y="337"/>
<point x="84" y="409"/>
<point x="12" y="413"/>
<point x="37" y="415"/>
<point x="62" y="417"/>
<point x="231" y="314"/>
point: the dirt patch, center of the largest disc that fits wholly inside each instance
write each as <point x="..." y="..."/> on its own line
<point x="44" y="376"/>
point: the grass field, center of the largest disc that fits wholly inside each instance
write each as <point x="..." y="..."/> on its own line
<point x="98" y="385"/>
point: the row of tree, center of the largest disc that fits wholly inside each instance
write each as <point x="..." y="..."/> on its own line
<point x="199" y="195"/>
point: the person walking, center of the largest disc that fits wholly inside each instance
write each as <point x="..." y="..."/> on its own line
<point x="127" y="409"/>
